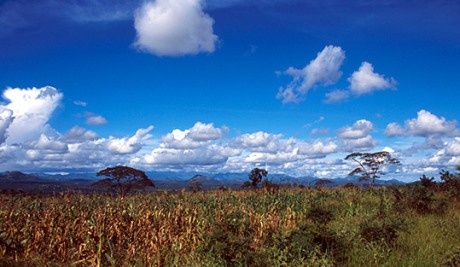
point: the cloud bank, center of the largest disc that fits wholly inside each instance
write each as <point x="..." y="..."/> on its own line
<point x="174" y="28"/>
<point x="204" y="147"/>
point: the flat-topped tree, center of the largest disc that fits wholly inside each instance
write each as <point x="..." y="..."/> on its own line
<point x="123" y="179"/>
<point x="370" y="163"/>
<point x="256" y="176"/>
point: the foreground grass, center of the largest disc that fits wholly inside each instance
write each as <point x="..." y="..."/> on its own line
<point x="289" y="227"/>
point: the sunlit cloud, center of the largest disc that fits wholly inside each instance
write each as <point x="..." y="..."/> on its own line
<point x="174" y="28"/>
<point x="365" y="80"/>
<point x="94" y="119"/>
<point x="30" y="109"/>
<point x="425" y="124"/>
<point x="322" y="71"/>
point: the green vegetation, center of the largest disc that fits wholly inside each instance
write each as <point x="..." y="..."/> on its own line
<point x="349" y="226"/>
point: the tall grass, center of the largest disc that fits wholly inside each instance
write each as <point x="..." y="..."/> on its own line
<point x="288" y="227"/>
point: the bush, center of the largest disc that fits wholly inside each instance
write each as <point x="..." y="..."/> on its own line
<point x="451" y="183"/>
<point x="419" y="198"/>
<point x="385" y="231"/>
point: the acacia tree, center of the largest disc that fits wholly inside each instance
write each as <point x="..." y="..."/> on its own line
<point x="256" y="176"/>
<point x="370" y="163"/>
<point x="122" y="179"/>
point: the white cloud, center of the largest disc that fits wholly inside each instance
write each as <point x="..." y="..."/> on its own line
<point x="453" y="147"/>
<point x="364" y="143"/>
<point x="357" y="137"/>
<point x="317" y="149"/>
<point x="206" y="155"/>
<point x="271" y="158"/>
<point x="129" y="145"/>
<point x="93" y="119"/>
<point x="323" y="70"/>
<point x="194" y="137"/>
<point x="264" y="142"/>
<point x="446" y="156"/>
<point x="78" y="135"/>
<point x="204" y="132"/>
<point x="336" y="96"/>
<point x="206" y="147"/>
<point x="365" y="80"/>
<point x="31" y="109"/>
<point x="47" y="144"/>
<point x="6" y="117"/>
<point x="394" y="129"/>
<point x="197" y="146"/>
<point x="174" y="28"/>
<point x="360" y="129"/>
<point x="425" y="124"/>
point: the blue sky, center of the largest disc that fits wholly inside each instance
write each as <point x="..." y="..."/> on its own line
<point x="225" y="86"/>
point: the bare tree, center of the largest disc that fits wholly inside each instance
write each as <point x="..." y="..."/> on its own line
<point x="369" y="165"/>
<point x="122" y="179"/>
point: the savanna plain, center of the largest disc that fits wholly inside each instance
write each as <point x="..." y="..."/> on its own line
<point x="410" y="225"/>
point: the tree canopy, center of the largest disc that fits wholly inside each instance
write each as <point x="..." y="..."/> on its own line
<point x="123" y="179"/>
<point x="370" y="163"/>
<point x="256" y="176"/>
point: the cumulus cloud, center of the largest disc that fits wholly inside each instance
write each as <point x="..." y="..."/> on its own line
<point x="357" y="137"/>
<point x="174" y="28"/>
<point x="6" y="117"/>
<point x="204" y="155"/>
<point x="264" y="142"/>
<point x="323" y="70"/>
<point x="204" y="132"/>
<point x="447" y="155"/>
<point x="94" y="119"/>
<point x="317" y="149"/>
<point x="197" y="146"/>
<point x="365" y="80"/>
<point x="360" y="129"/>
<point x="50" y="145"/>
<point x="194" y="137"/>
<point x="78" y="135"/>
<point x="129" y="145"/>
<point x="364" y="143"/>
<point x="426" y="124"/>
<point x="31" y="110"/>
<point x="271" y="158"/>
<point x="203" y="146"/>
<point x="453" y="147"/>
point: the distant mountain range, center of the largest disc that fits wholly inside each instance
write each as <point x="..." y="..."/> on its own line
<point x="167" y="180"/>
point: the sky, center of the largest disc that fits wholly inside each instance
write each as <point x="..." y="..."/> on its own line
<point x="228" y="85"/>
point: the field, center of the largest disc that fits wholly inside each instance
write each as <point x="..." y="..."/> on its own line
<point x="405" y="226"/>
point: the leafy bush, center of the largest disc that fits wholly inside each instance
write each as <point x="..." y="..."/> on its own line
<point x="427" y="182"/>
<point x="451" y="183"/>
<point x="419" y="198"/>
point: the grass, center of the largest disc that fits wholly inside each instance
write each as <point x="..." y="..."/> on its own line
<point x="288" y="227"/>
